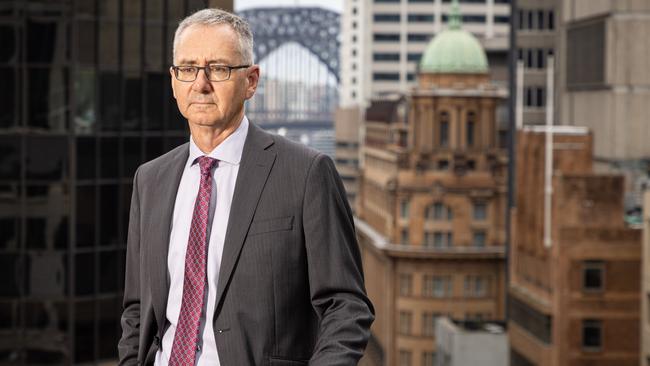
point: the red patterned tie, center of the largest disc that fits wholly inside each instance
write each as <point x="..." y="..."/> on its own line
<point x="187" y="329"/>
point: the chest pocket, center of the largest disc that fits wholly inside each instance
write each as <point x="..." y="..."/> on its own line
<point x="261" y="226"/>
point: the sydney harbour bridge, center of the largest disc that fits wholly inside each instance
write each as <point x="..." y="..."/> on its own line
<point x="297" y="49"/>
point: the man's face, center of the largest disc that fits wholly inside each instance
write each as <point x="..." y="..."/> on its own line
<point x="212" y="103"/>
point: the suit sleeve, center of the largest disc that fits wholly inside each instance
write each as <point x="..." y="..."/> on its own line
<point x="128" y="344"/>
<point x="337" y="288"/>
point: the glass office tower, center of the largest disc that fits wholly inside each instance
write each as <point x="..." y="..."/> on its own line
<point x="85" y="98"/>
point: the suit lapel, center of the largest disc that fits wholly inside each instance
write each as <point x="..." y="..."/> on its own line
<point x="165" y="187"/>
<point x="255" y="167"/>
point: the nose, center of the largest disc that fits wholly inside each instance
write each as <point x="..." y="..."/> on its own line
<point x="202" y="83"/>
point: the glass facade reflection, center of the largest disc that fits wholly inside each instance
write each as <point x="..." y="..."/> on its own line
<point x="85" y="98"/>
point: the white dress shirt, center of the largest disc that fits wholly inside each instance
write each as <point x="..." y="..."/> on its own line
<point x="228" y="153"/>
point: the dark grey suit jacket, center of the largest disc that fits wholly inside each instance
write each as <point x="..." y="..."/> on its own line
<point x="290" y="288"/>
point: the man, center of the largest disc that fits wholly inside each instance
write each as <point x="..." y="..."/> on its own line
<point x="241" y="246"/>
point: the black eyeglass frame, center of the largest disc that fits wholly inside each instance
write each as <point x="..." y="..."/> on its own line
<point x="206" y="70"/>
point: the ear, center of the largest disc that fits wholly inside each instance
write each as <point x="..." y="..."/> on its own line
<point x="252" y="79"/>
<point x="172" y="80"/>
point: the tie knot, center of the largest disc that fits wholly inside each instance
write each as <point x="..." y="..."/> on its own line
<point x="206" y="163"/>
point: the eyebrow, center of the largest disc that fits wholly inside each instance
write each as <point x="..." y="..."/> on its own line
<point x="214" y="61"/>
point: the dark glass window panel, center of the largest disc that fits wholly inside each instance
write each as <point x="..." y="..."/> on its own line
<point x="591" y="334"/>
<point x="126" y="208"/>
<point x="132" y="156"/>
<point x="154" y="48"/>
<point x="7" y="315"/>
<point x="385" y="76"/>
<point x="108" y="217"/>
<point x="132" y="103"/>
<point x="47" y="158"/>
<point x="84" y="331"/>
<point x="8" y="99"/>
<point x="593" y="275"/>
<point x="9" y="157"/>
<point x="108" y="43"/>
<point x="133" y="8"/>
<point x="154" y="98"/>
<point x="46" y="274"/>
<point x="62" y="233"/>
<point x="385" y="56"/>
<point x="381" y="18"/>
<point x="10" y="268"/>
<point x="414" y="57"/>
<point x="109" y="8"/>
<point x="109" y="327"/>
<point x="176" y="120"/>
<point x="153" y="147"/>
<point x="420" y="18"/>
<point x="194" y="5"/>
<point x="174" y="141"/>
<point x="43" y="356"/>
<point x="109" y="158"/>
<point x="414" y="37"/>
<point x="45" y="41"/>
<point x="132" y="47"/>
<point x="109" y="85"/>
<point x="85" y="121"/>
<point x="84" y="274"/>
<point x="36" y="316"/>
<point x="8" y="51"/>
<point x="9" y="228"/>
<point x="47" y="98"/>
<point x="444" y="134"/>
<point x="85" y="225"/>
<point x="35" y="233"/>
<point x="108" y="265"/>
<point x="86" y="158"/>
<point x="384" y="37"/>
<point x="175" y="11"/>
<point x="84" y="7"/>
<point x="155" y="10"/>
<point x="470" y="133"/>
<point x="86" y="41"/>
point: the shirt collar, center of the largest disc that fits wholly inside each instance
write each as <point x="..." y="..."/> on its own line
<point x="229" y="150"/>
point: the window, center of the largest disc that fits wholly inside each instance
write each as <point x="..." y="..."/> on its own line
<point x="386" y="18"/>
<point x="479" y="211"/>
<point x="473" y="18"/>
<point x="405" y="237"/>
<point x="586" y="41"/>
<point x="439" y="211"/>
<point x="414" y="57"/>
<point x="479" y="239"/>
<point x="475" y="286"/>
<point x="405" y="284"/>
<point x="428" y="359"/>
<point x="591" y="335"/>
<point x="405" y="318"/>
<point x="436" y="286"/>
<point x="404" y="356"/>
<point x="592" y="276"/>
<point x="443" y="164"/>
<point x="385" y="76"/>
<point x="385" y="56"/>
<point x="502" y="19"/>
<point x="418" y="18"/>
<point x="386" y="37"/>
<point x="429" y="324"/>
<point x="418" y="37"/>
<point x="404" y="208"/>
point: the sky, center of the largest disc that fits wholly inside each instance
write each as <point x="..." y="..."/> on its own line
<point x="336" y="5"/>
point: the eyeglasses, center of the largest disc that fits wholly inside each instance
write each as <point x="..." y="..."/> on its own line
<point x="214" y="72"/>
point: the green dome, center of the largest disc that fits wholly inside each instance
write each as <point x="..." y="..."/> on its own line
<point x="454" y="50"/>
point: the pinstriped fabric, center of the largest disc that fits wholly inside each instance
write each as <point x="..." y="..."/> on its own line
<point x="187" y="331"/>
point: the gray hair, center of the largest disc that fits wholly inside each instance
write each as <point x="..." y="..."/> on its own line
<point x="214" y="16"/>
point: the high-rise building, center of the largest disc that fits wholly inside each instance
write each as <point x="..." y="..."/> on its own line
<point x="431" y="202"/>
<point x="535" y="39"/>
<point x="382" y="42"/>
<point x="85" y="99"/>
<point x="604" y="84"/>
<point x="574" y="269"/>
